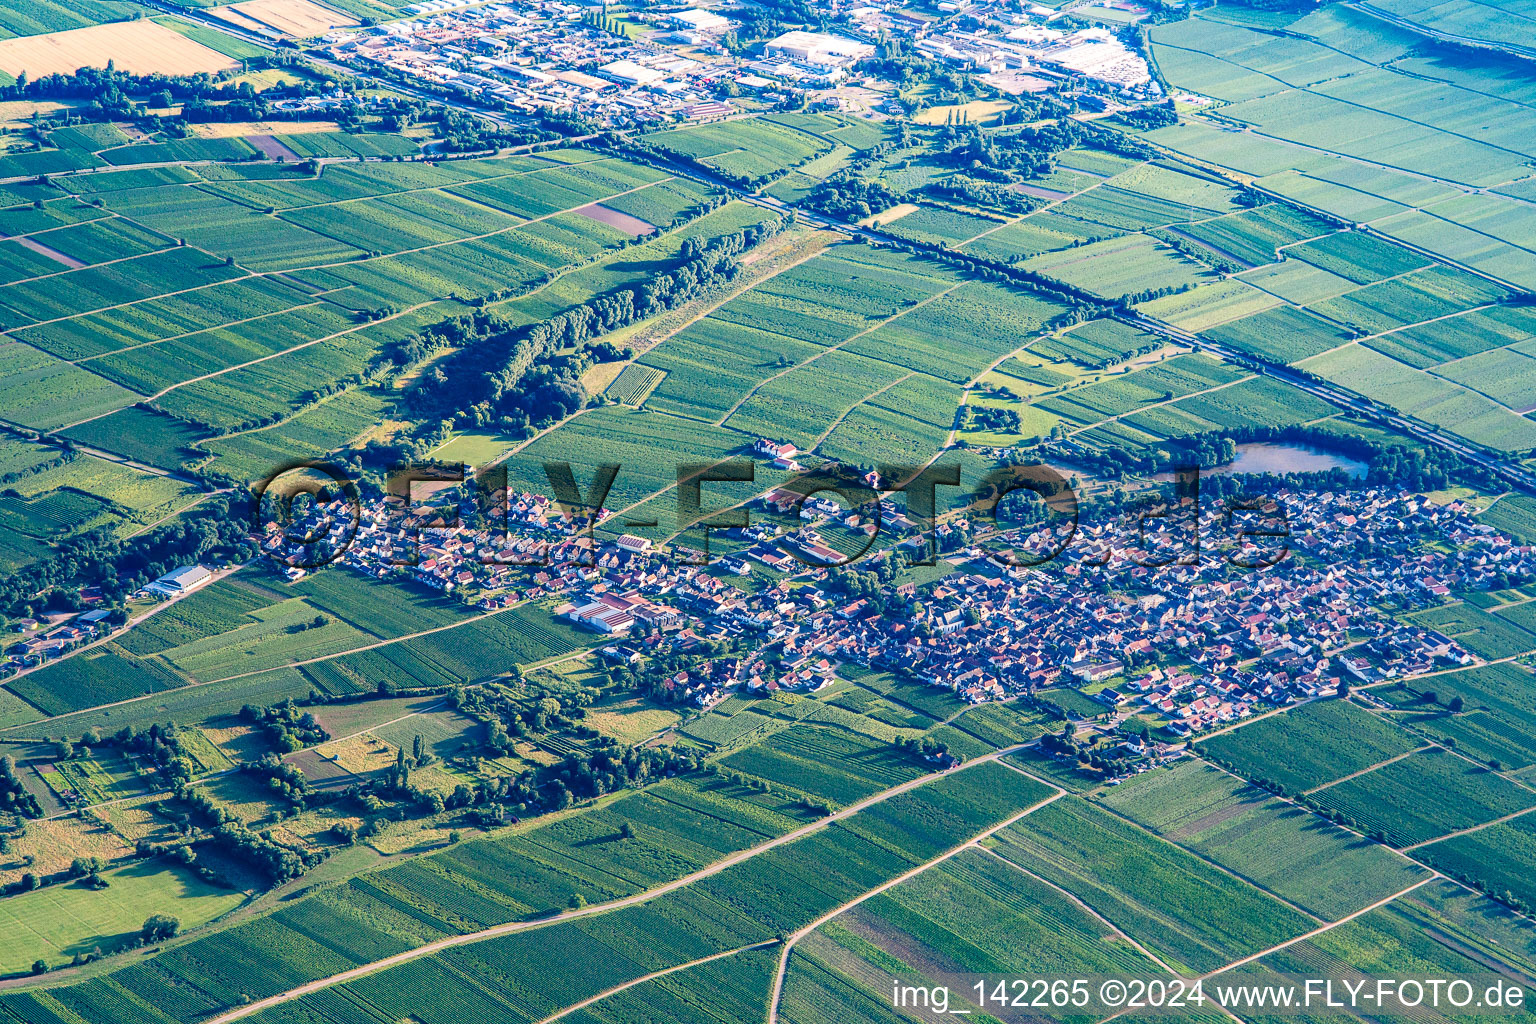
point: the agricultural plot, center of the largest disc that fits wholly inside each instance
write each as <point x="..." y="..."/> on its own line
<point x="713" y="363"/>
<point x="962" y="333"/>
<point x="1457" y="337"/>
<point x="155" y="367"/>
<point x="532" y="873"/>
<point x="44" y="16"/>
<point x="110" y="238"/>
<point x="1358" y="257"/>
<point x="936" y="225"/>
<point x="1260" y="401"/>
<point x="634" y="384"/>
<point x="1116" y="396"/>
<point x="411" y="220"/>
<point x="309" y="435"/>
<point x="805" y="402"/>
<point x="181" y="149"/>
<point x="1487" y="635"/>
<point x="1411" y="298"/>
<point x="1126" y="210"/>
<point x="1289" y="851"/>
<point x="1149" y="889"/>
<point x="881" y="431"/>
<point x="1255" y="236"/>
<point x="217" y="608"/>
<point x="1025" y="238"/>
<point x="101" y="675"/>
<point x="1406" y="935"/>
<point x="1515" y="514"/>
<point x="743" y="150"/>
<point x="1209" y="305"/>
<point x="1499" y="859"/>
<point x="647" y="446"/>
<point x="1297" y="281"/>
<point x="1120" y="266"/>
<point x="1481" y="248"/>
<point x="1355" y="129"/>
<point x="973" y="913"/>
<point x="361" y="144"/>
<point x="163" y="317"/>
<point x="1502" y="728"/>
<point x="285" y="632"/>
<point x="1390" y="800"/>
<point x="1309" y="746"/>
<point x="1282" y="335"/>
<point x="88" y="493"/>
<point x="140" y="47"/>
<point x="570" y="187"/>
<point x="723" y="991"/>
<point x="55" y="923"/>
<point x="1003" y="725"/>
<point x="1504" y="375"/>
<point x="258" y="241"/>
<point x="1432" y="399"/>
<point x="247" y="395"/>
<point x="113" y="284"/>
<point x="521" y="636"/>
<point x="1477" y="734"/>
<point x="1476" y="921"/>
<point x="825" y="762"/>
<point x="40" y="391"/>
<point x="142" y="435"/>
<point x="384" y="609"/>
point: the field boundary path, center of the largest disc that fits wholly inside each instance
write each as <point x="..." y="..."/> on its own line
<point x="800" y="933"/>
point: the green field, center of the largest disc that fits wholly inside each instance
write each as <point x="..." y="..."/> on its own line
<point x="1390" y="799"/>
<point x="1308" y="746"/>
<point x="1167" y="899"/>
<point x="55" y="923"/>
<point x="1282" y="848"/>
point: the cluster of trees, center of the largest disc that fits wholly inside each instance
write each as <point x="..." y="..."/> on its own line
<point x="608" y="771"/>
<point x="1198" y="253"/>
<point x="110" y="94"/>
<point x="924" y="747"/>
<point x="1007" y="156"/>
<point x="285" y="780"/>
<point x="1389" y="460"/>
<point x="512" y="376"/>
<point x="847" y="197"/>
<point x="894" y="61"/>
<point x="984" y="417"/>
<point x="515" y="710"/>
<point x="1088" y="759"/>
<point x="258" y="850"/>
<point x="216" y="531"/>
<point x="987" y="194"/>
<point x="160" y="744"/>
<point x="285" y="726"/>
<point x="13" y="798"/>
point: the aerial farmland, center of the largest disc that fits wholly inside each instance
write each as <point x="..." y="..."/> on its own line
<point x="757" y="513"/>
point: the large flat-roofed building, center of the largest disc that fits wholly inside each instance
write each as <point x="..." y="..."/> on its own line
<point x="819" y="49"/>
<point x="699" y="21"/>
<point x="631" y="73"/>
<point x="181" y="581"/>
